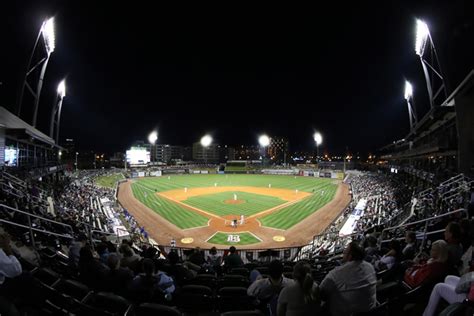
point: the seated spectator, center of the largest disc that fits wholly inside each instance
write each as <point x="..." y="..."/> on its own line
<point x="213" y="260"/>
<point x="178" y="271"/>
<point x="452" y="235"/>
<point x="197" y="257"/>
<point x="391" y="258"/>
<point x="74" y="250"/>
<point x="431" y="270"/>
<point x="371" y="250"/>
<point x="91" y="271"/>
<point x="300" y="297"/>
<point x="10" y="267"/>
<point x="144" y="285"/>
<point x="410" y="249"/>
<point x="130" y="259"/>
<point x="233" y="260"/>
<point x="103" y="252"/>
<point x="118" y="278"/>
<point x="453" y="290"/>
<point x="350" y="288"/>
<point x="268" y="289"/>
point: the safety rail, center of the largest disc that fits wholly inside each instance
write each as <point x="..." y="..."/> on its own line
<point x="30" y="225"/>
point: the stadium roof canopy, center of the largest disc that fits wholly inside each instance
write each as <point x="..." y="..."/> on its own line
<point x="18" y="129"/>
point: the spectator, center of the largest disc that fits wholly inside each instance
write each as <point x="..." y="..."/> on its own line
<point x="10" y="267"/>
<point x="91" y="271"/>
<point x="453" y="290"/>
<point x="350" y="288"/>
<point x="213" y="260"/>
<point x="301" y="297"/>
<point x="233" y="260"/>
<point x="118" y="278"/>
<point x="431" y="270"/>
<point x="197" y="257"/>
<point x="130" y="259"/>
<point x="371" y="250"/>
<point x="267" y="290"/>
<point x="452" y="235"/>
<point x="390" y="258"/>
<point x="74" y="250"/>
<point x="145" y="285"/>
<point x="410" y="249"/>
<point x="178" y="271"/>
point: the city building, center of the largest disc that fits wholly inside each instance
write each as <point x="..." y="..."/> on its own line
<point x="208" y="154"/>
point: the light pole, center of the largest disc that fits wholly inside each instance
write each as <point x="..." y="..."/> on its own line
<point x="264" y="141"/>
<point x="76" y="159"/>
<point x="152" y="137"/>
<point x="411" y="110"/>
<point x="206" y="141"/>
<point x="57" y="110"/>
<point x="318" y="138"/>
<point x="431" y="65"/>
<point x="47" y="31"/>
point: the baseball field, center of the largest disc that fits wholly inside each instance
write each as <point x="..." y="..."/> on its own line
<point x="218" y="209"/>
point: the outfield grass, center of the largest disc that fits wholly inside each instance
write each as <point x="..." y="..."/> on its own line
<point x="109" y="181"/>
<point x="282" y="219"/>
<point x="293" y="214"/>
<point x="174" y="213"/>
<point x="253" y="203"/>
<point x="221" y="238"/>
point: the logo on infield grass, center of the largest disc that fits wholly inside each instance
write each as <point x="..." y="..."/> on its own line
<point x="233" y="238"/>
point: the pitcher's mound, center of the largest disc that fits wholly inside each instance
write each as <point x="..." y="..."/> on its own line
<point x="234" y="201"/>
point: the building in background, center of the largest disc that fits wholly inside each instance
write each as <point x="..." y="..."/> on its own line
<point x="208" y="154"/>
<point x="278" y="150"/>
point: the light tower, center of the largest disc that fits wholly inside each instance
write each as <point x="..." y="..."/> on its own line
<point x="206" y="141"/>
<point x="47" y="32"/>
<point x="411" y="109"/>
<point x="56" y="111"/>
<point x="152" y="138"/>
<point x="425" y="49"/>
<point x="264" y="141"/>
<point x="318" y="138"/>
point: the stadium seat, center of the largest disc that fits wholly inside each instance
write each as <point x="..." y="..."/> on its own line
<point x="205" y="280"/>
<point x="233" y="299"/>
<point x="45" y="275"/>
<point x="149" y="309"/>
<point x="72" y="288"/>
<point x="232" y="280"/>
<point x="195" y="298"/>
<point x="108" y="302"/>
<point x="262" y="270"/>
<point x="243" y="313"/>
<point x="240" y="271"/>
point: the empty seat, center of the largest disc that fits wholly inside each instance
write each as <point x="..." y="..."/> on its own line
<point x="234" y="299"/>
<point x="205" y="280"/>
<point x="195" y="298"/>
<point x="46" y="276"/>
<point x="240" y="271"/>
<point x="109" y="302"/>
<point x="149" y="309"/>
<point x="72" y="288"/>
<point x="233" y="280"/>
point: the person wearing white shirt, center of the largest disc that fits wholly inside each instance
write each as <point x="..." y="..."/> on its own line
<point x="10" y="267"/>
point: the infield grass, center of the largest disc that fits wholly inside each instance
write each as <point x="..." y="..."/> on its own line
<point x="244" y="238"/>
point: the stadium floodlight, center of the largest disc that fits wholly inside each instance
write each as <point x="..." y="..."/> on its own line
<point x="206" y="140"/>
<point x="411" y="109"/>
<point x="264" y="140"/>
<point x="408" y="90"/>
<point x="56" y="111"/>
<point x="153" y="137"/>
<point x="318" y="138"/>
<point x="422" y="34"/>
<point x="48" y="35"/>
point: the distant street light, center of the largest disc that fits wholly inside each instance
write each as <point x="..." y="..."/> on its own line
<point x="76" y="159"/>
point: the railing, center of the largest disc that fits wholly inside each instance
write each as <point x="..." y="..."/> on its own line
<point x="30" y="226"/>
<point x="425" y="221"/>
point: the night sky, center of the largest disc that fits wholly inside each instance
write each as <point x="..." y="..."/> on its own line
<point x="234" y="72"/>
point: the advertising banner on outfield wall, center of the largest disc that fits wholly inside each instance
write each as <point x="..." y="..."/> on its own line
<point x="141" y="174"/>
<point x="155" y="173"/>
